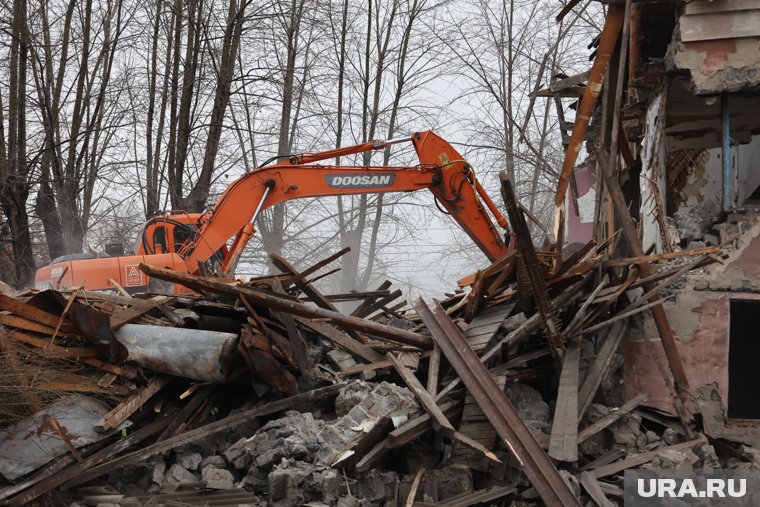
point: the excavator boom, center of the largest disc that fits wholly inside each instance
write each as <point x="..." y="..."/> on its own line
<point x="214" y="241"/>
<point x="442" y="170"/>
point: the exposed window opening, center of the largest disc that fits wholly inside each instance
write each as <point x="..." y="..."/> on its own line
<point x="743" y="354"/>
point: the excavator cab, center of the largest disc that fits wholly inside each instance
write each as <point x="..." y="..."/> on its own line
<point x="167" y="233"/>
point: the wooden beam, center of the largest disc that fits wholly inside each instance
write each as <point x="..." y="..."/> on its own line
<point x="635" y="460"/>
<point x="356" y="348"/>
<point x="413" y="490"/>
<point x="568" y="82"/>
<point x="611" y="418"/>
<point x="131" y="405"/>
<point x="440" y="423"/>
<point x="563" y="444"/>
<point x="527" y="251"/>
<point x="316" y="267"/>
<point x="600" y="367"/>
<point x="434" y="365"/>
<point x="278" y="303"/>
<point x="607" y="41"/>
<point x="34" y="314"/>
<point x="658" y="312"/>
<point x="594" y="490"/>
<point x="627" y="261"/>
<point x="297" y="341"/>
<point x="307" y="288"/>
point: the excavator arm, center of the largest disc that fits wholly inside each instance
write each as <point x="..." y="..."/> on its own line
<point x="215" y="239"/>
<point x="442" y="170"/>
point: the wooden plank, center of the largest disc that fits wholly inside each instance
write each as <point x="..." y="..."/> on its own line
<point x="624" y="315"/>
<point x="131" y="405"/>
<point x="568" y="82"/>
<point x="492" y="270"/>
<point x="377" y="305"/>
<point x="383" y="286"/>
<point x="610" y="418"/>
<point x="121" y="290"/>
<point x="307" y="288"/>
<point x="627" y="261"/>
<point x="526" y="329"/>
<point x="30" y="325"/>
<point x="33" y="313"/>
<point x="440" y="423"/>
<point x="122" y="371"/>
<point x="594" y="490"/>
<point x="530" y="262"/>
<point x="563" y="445"/>
<point x="338" y="337"/>
<point x="314" y="268"/>
<point x="200" y="396"/>
<point x="297" y="341"/>
<point x="415" y="485"/>
<point x="411" y="430"/>
<point x="638" y="459"/>
<point x="476" y="497"/>
<point x="434" y="365"/>
<point x="582" y="310"/>
<point x="475" y="425"/>
<point x="600" y="367"/>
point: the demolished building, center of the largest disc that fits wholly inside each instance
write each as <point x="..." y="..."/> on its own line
<point x="688" y="138"/>
<point x="623" y="341"/>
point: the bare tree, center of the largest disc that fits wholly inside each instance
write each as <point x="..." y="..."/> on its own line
<point x="14" y="169"/>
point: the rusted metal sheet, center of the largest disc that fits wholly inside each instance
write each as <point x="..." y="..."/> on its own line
<point x="195" y="354"/>
<point x="607" y="42"/>
<point x="49" y="433"/>
<point x="94" y="325"/>
<point x="537" y="466"/>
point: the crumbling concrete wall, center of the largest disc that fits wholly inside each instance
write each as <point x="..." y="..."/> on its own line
<point x="720" y="66"/>
<point x="717" y="42"/>
<point x="699" y="315"/>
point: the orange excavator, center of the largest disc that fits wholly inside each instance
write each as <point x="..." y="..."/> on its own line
<point x="212" y="242"/>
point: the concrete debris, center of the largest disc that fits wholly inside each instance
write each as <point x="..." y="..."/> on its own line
<point x="529" y="405"/>
<point x="189" y="461"/>
<point x="178" y="475"/>
<point x="217" y="478"/>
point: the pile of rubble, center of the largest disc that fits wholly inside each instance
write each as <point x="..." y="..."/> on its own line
<point x="506" y="392"/>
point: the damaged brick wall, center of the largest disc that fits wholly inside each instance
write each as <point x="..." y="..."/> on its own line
<point x="700" y="317"/>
